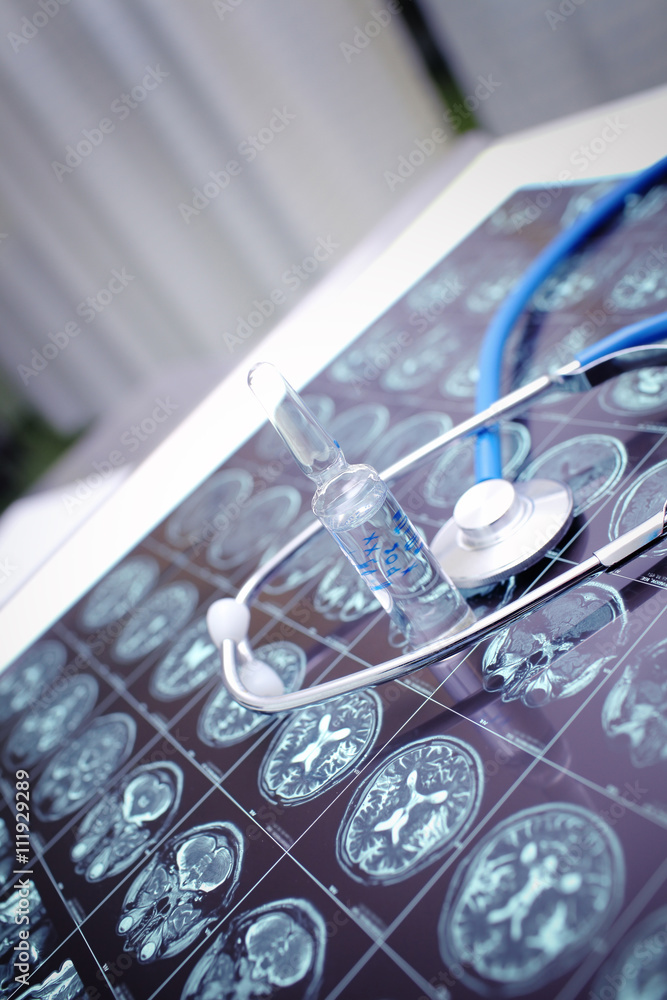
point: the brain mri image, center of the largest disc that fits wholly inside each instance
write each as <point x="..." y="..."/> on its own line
<point x="31" y="675"/>
<point x="644" y="285"/>
<point x="81" y="768"/>
<point x="454" y="472"/>
<point x="266" y="515"/>
<point x="119" y="591"/>
<point x="411" y="810"/>
<point x="645" y="496"/>
<point x="318" y="746"/>
<point x="547" y="655"/>
<point x="643" y="391"/>
<point x="308" y="562"/>
<point x="525" y="905"/>
<point x="190" y="661"/>
<point x="582" y="201"/>
<point x="590" y="464"/>
<point x="342" y="595"/>
<point x="462" y="377"/>
<point x="13" y="947"/>
<point x="407" y="436"/>
<point x="636" y="707"/>
<point x="264" y="952"/>
<point x="223" y="722"/>
<point x="358" y="428"/>
<point x="55" y="718"/>
<point x="127" y="821"/>
<point x="414" y="368"/>
<point x="637" y="969"/>
<point x="486" y="294"/>
<point x="210" y="509"/>
<point x="368" y="356"/>
<point x="155" y="620"/>
<point x="182" y="890"/>
<point x="63" y="984"/>
<point x="569" y="283"/>
<point x="429" y="298"/>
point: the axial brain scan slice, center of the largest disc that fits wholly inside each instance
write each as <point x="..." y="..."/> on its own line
<point x="224" y="722"/>
<point x="645" y="495"/>
<point x="210" y="509"/>
<point x="637" y="969"/>
<point x="30" y="676"/>
<point x="318" y="746"/>
<point x="636" y="707"/>
<point x="119" y="591"/>
<point x="188" y="664"/>
<point x="265" y="951"/>
<point x="411" y="810"/>
<point x="546" y="657"/>
<point x="155" y="620"/>
<point x="127" y="820"/>
<point x="182" y="890"/>
<point x="57" y="715"/>
<point x="590" y="464"/>
<point x="82" y="767"/>
<point x="530" y="898"/>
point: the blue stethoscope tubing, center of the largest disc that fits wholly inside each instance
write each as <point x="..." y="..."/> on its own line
<point x="488" y="463"/>
<point x="230" y="632"/>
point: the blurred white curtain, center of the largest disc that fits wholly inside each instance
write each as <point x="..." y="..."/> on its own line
<point x="550" y="58"/>
<point x="285" y="116"/>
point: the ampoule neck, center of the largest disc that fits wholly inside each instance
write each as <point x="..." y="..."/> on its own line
<point x="324" y="474"/>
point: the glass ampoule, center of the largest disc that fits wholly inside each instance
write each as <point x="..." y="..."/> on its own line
<point x="360" y="512"/>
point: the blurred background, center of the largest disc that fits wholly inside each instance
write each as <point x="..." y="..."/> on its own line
<point x="176" y="175"/>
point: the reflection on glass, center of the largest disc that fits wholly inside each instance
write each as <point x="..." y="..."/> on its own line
<point x="454" y="472"/>
<point x="524" y="907"/>
<point x="127" y="821"/>
<point x="638" y="966"/>
<point x="189" y="663"/>
<point x="156" y="620"/>
<point x="411" y="810"/>
<point x="264" y="516"/>
<point x="636" y="706"/>
<point x="644" y="497"/>
<point x="57" y="715"/>
<point x="318" y="746"/>
<point x="590" y="464"/>
<point x="23" y="682"/>
<point x="269" y="445"/>
<point x="63" y="984"/>
<point x="643" y="391"/>
<point x="182" y="890"/>
<point x="342" y="595"/>
<point x="223" y="722"/>
<point x="276" y="947"/>
<point x="83" y="766"/>
<point x="546" y="656"/>
<point x="212" y="508"/>
<point x="120" y="591"/>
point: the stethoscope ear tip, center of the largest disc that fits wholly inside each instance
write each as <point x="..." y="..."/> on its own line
<point x="228" y="619"/>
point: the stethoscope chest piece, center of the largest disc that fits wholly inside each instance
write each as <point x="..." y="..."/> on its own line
<point x="500" y="528"/>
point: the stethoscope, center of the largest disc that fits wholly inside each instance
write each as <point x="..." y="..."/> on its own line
<point x="498" y="528"/>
